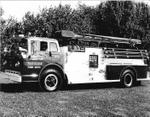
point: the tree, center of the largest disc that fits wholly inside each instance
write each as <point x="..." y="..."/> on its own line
<point x="1" y="22"/>
<point x="138" y="21"/>
<point x="48" y="21"/>
<point x="112" y="17"/>
<point x="82" y="20"/>
<point x="29" y="24"/>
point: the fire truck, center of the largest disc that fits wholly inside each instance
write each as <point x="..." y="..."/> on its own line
<point x="78" y="59"/>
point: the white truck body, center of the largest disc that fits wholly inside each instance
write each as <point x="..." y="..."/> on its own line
<point x="76" y="66"/>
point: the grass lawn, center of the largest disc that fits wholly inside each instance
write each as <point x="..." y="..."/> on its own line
<point x="76" y="101"/>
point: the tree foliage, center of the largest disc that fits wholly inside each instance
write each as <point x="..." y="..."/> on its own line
<point x="112" y="18"/>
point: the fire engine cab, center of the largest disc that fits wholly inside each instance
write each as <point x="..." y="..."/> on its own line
<point x="79" y="59"/>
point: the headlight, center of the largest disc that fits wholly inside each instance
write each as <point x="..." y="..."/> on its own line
<point x="17" y="64"/>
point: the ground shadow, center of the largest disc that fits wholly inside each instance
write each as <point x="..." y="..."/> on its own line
<point x="35" y="87"/>
<point x="23" y="87"/>
<point x="92" y="86"/>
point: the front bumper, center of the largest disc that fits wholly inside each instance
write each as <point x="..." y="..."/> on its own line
<point x="10" y="77"/>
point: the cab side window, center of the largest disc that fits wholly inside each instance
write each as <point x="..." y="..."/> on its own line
<point x="34" y="47"/>
<point x="43" y="46"/>
<point x="53" y="47"/>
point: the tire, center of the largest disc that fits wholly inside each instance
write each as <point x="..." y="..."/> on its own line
<point x="51" y="80"/>
<point x="128" y="78"/>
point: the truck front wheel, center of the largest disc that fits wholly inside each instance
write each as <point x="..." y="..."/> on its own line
<point x="51" y="80"/>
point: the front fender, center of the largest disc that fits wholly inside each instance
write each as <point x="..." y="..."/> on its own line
<point x="53" y="66"/>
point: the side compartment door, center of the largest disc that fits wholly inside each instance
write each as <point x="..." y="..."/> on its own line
<point x="76" y="66"/>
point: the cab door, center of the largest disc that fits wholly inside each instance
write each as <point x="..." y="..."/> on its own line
<point x="39" y="50"/>
<point x="55" y="54"/>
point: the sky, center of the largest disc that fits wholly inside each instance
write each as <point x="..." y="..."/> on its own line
<point x="17" y="9"/>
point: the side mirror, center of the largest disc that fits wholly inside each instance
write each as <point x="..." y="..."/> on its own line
<point x="29" y="56"/>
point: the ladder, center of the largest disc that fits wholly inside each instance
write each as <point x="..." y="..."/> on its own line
<point x="125" y="53"/>
<point x="65" y="36"/>
<point x="109" y="39"/>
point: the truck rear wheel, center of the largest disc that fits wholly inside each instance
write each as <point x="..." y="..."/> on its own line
<point x="51" y="80"/>
<point x="128" y="78"/>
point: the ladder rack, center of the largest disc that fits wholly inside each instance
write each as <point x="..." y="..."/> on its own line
<point x="125" y="53"/>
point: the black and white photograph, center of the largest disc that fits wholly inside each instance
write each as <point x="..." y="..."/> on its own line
<point x="74" y="58"/>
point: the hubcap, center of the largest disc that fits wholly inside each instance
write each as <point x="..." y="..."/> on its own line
<point x="51" y="82"/>
<point x="128" y="80"/>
